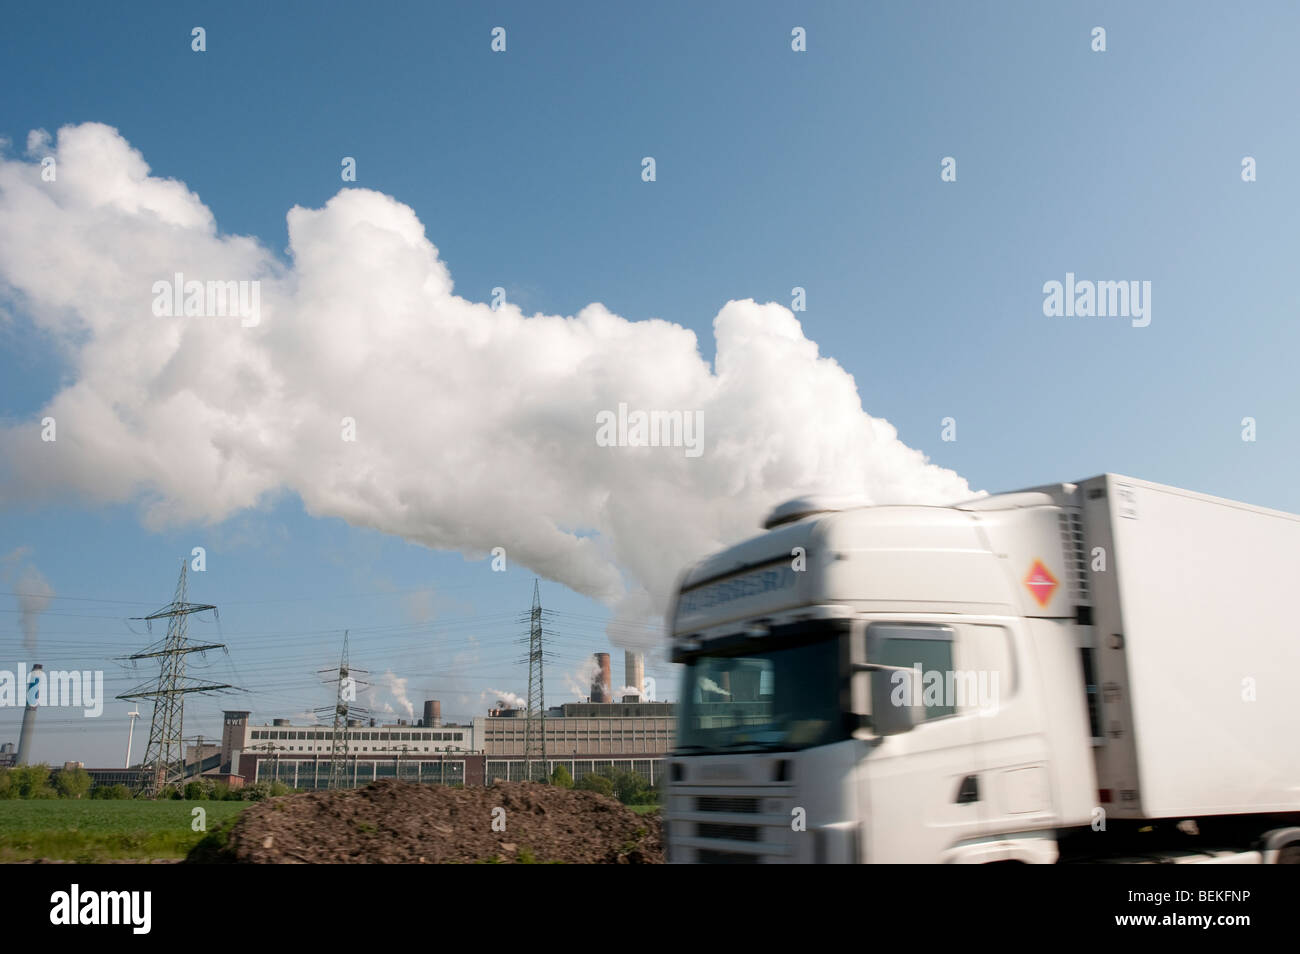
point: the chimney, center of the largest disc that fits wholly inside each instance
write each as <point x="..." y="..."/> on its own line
<point x="233" y="725"/>
<point x="432" y="713"/>
<point x="634" y="672"/>
<point x="600" y="680"/>
<point x="29" y="719"/>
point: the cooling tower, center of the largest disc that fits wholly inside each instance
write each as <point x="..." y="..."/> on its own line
<point x="29" y="720"/>
<point x="634" y="672"/>
<point x="432" y="713"/>
<point x="600" y="679"/>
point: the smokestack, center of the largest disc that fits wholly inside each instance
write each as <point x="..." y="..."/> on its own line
<point x="600" y="680"/>
<point x="29" y="719"/>
<point x="634" y="672"/>
<point x="233" y="724"/>
<point x="432" y="712"/>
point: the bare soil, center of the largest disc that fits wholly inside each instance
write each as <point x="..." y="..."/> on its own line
<point x="390" y="822"/>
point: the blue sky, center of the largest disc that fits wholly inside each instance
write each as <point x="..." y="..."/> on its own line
<point x="775" y="169"/>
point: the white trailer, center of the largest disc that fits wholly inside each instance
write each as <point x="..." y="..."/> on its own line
<point x="1102" y="670"/>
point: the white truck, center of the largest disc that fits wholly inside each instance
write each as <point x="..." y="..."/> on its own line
<point x="1098" y="671"/>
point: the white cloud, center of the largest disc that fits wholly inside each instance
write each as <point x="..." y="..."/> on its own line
<point x="474" y="428"/>
<point x="38" y="141"/>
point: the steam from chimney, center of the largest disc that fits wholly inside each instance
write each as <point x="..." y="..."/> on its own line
<point x="441" y="402"/>
<point x="397" y="689"/>
<point x="510" y="699"/>
<point x="34" y="593"/>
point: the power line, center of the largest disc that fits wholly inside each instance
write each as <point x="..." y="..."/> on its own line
<point x="535" y="725"/>
<point x="164" y="758"/>
<point x="345" y="694"/>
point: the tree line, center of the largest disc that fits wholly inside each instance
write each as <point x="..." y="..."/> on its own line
<point x="630" y="788"/>
<point x="40" y="781"/>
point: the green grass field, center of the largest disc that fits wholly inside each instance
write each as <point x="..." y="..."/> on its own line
<point x="644" y="809"/>
<point x="89" y="831"/>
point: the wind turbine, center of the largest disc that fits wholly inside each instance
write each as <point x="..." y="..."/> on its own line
<point x="130" y="733"/>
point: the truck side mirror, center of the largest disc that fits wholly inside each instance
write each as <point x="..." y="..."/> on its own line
<point x="886" y="717"/>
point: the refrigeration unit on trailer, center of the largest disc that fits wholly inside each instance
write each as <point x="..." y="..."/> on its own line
<point x="1101" y="670"/>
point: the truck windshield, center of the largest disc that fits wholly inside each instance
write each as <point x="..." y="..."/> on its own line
<point x="761" y="697"/>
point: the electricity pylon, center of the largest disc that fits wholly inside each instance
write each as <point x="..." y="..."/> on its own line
<point x="535" y="723"/>
<point x="164" y="756"/>
<point x="345" y="694"/>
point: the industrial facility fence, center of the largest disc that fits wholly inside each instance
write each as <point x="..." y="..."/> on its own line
<point x="514" y="770"/>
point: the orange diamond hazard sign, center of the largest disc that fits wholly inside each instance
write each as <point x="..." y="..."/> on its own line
<point x="1041" y="583"/>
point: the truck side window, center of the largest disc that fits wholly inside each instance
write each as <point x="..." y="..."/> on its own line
<point x="926" y="650"/>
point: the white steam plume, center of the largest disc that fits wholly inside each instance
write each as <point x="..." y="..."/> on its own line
<point x="34" y="593"/>
<point x="474" y="428"/>
<point x="580" y="679"/>
<point x="397" y="689"/>
<point x="512" y="700"/>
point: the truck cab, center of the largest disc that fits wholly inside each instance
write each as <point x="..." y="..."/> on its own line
<point x="886" y="684"/>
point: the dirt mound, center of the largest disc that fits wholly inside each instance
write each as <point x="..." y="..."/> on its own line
<point x="391" y="822"/>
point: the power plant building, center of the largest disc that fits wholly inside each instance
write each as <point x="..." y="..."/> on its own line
<point x="301" y="756"/>
<point x="582" y="736"/>
<point x="633" y="735"/>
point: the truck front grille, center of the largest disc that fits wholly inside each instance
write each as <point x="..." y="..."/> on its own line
<point x="730" y="832"/>
<point x="713" y="803"/>
<point x="707" y="856"/>
<point x="730" y="824"/>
